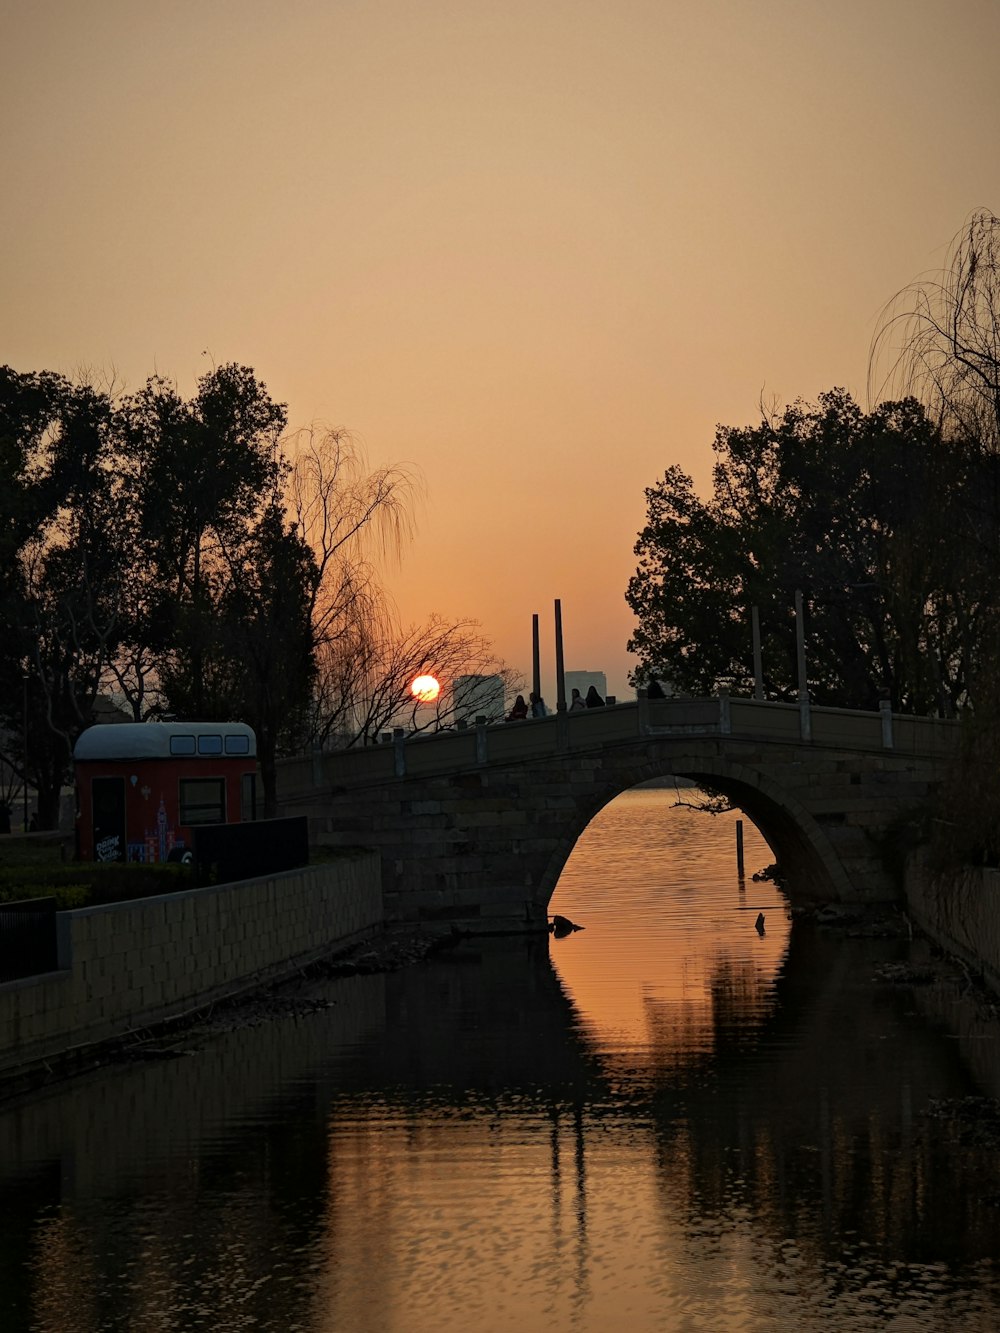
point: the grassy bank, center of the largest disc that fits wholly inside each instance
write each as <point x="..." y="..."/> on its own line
<point x="39" y="866"/>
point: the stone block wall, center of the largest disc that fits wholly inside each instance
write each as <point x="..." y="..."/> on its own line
<point x="126" y="966"/>
<point x="484" y="849"/>
<point x="961" y="911"/>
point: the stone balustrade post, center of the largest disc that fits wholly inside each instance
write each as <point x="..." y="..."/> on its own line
<point x="642" y="713"/>
<point x="725" y="717"/>
<point x="885" y="712"/>
<point x="805" y="718"/>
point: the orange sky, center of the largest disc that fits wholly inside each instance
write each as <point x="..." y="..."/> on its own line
<point x="536" y="249"/>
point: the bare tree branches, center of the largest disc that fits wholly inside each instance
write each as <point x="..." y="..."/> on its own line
<point x="939" y="338"/>
<point x="355" y="520"/>
<point x="365" y="678"/>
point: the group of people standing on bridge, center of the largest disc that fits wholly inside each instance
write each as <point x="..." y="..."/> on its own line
<point x="537" y="708"/>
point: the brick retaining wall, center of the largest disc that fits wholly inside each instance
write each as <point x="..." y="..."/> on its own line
<point x="125" y="966"/>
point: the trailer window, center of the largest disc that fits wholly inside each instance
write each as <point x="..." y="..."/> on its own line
<point x="209" y="744"/>
<point x="203" y="800"/>
<point x="237" y="745"/>
<point x="182" y="745"/>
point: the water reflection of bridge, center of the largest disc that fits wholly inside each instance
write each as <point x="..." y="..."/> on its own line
<point x="312" y="1140"/>
<point x="475" y="826"/>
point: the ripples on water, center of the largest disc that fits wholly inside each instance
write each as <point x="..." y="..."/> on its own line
<point x="663" y="1121"/>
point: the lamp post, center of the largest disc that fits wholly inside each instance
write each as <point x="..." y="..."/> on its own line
<point x="758" y="670"/>
<point x="805" y="722"/>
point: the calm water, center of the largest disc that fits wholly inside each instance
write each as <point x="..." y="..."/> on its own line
<point x="664" y="1121"/>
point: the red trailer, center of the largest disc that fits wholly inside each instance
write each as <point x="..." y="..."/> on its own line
<point x="142" y="787"/>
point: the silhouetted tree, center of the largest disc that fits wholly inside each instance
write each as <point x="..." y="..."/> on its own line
<point x="169" y="550"/>
<point x="355" y="520"/>
<point x="59" y="601"/>
<point x="939" y="339"/>
<point x="198" y="475"/>
<point x="266" y="618"/>
<point x="856" y="510"/>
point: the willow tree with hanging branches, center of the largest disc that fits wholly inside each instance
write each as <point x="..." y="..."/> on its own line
<point x="939" y="340"/>
<point x="357" y="521"/>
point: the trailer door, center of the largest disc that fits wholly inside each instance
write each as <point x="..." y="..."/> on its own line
<point x="108" y="797"/>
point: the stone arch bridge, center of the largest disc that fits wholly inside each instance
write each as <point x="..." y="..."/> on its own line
<point x="474" y="826"/>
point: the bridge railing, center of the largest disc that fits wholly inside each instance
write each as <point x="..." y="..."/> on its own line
<point x="924" y="735"/>
<point x="591" y="729"/>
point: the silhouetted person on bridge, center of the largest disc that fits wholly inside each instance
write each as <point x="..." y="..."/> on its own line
<point x="538" y="708"/>
<point x="654" y="690"/>
<point x="519" y="711"/>
<point x="577" y="701"/>
<point x="594" y="700"/>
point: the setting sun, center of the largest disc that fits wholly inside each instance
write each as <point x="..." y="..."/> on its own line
<point x="425" y="689"/>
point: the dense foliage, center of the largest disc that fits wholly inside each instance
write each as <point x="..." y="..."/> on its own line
<point x="188" y="558"/>
<point x="883" y="525"/>
<point x="887" y="522"/>
<point x="144" y="536"/>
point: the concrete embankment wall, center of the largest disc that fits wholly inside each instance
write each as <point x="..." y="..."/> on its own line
<point x="126" y="966"/>
<point x="961" y="912"/>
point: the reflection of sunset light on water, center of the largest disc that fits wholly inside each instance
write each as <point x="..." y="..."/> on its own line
<point x="478" y="1142"/>
<point x="669" y="953"/>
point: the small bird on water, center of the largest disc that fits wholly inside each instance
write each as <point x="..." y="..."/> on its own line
<point x="759" y="923"/>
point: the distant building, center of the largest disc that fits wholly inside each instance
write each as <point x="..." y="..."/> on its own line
<point x="582" y="681"/>
<point x="477" y="696"/>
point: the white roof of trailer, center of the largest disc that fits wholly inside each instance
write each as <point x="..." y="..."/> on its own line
<point x="151" y="740"/>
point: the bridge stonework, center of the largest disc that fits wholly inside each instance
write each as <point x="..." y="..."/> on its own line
<point x="475" y="827"/>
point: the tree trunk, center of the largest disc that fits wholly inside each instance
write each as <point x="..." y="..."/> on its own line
<point x="49" y="791"/>
<point x="266" y="760"/>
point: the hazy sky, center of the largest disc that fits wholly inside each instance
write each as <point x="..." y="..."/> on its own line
<point x="537" y="250"/>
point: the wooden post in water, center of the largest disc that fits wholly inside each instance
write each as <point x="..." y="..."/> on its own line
<point x="739" y="848"/>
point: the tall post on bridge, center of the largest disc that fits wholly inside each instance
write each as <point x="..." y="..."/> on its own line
<point x="560" y="674"/>
<point x="536" y="673"/>
<point x="758" y="668"/>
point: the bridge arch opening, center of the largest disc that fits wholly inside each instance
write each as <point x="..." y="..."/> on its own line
<point x="799" y="847"/>
<point x="668" y="811"/>
<point x="671" y="958"/>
